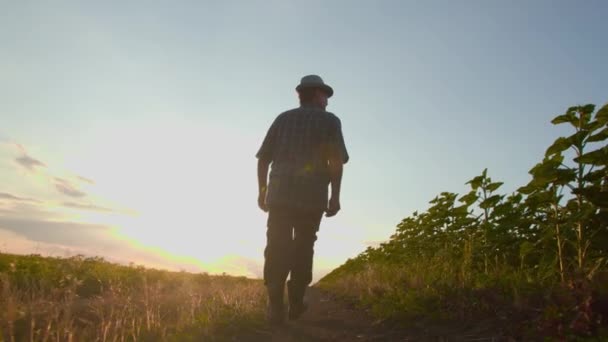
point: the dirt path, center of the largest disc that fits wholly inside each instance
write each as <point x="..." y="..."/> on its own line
<point x="330" y="319"/>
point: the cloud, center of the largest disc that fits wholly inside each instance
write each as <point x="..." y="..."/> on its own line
<point x="67" y="188"/>
<point x="5" y="195"/>
<point x="62" y="185"/>
<point x="29" y="210"/>
<point x="86" y="206"/>
<point x="86" y="180"/>
<point x="62" y="232"/>
<point x="64" y="238"/>
<point x="29" y="163"/>
<point x="33" y="227"/>
<point x="94" y="239"/>
<point x="67" y="185"/>
<point x="25" y="160"/>
<point x="15" y="243"/>
<point x="9" y="196"/>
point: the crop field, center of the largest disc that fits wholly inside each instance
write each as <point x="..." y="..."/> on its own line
<point x="533" y="262"/>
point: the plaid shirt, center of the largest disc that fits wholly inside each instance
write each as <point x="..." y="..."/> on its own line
<point x="299" y="144"/>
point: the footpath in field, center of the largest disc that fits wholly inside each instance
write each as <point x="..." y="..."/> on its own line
<point x="331" y="319"/>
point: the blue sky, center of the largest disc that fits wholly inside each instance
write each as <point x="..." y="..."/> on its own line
<point x="162" y="106"/>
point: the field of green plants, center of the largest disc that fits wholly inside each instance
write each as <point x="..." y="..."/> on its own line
<point x="533" y="261"/>
<point x="89" y="299"/>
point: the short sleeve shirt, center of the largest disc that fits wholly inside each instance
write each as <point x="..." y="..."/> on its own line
<point x="299" y="144"/>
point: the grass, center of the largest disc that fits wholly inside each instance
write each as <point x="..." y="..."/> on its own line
<point x="511" y="302"/>
<point x="89" y="299"/>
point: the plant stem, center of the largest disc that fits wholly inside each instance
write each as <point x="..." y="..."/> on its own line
<point x="559" y="243"/>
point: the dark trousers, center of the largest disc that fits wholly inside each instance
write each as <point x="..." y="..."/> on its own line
<point x="290" y="240"/>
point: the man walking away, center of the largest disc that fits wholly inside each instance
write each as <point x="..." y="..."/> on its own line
<point x="306" y="149"/>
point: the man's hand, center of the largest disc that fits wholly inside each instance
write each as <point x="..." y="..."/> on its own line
<point x="333" y="207"/>
<point x="262" y="183"/>
<point x="262" y="201"/>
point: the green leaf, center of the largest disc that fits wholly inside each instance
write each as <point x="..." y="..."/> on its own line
<point x="515" y="198"/>
<point x="535" y="170"/>
<point x="560" y="145"/>
<point x="490" y="201"/>
<point x="594" y="195"/>
<point x="542" y="197"/>
<point x="542" y="175"/>
<point x="595" y="175"/>
<point x="493" y="186"/>
<point x="564" y="176"/>
<point x="586" y="112"/>
<point x="597" y="157"/>
<point x="601" y="135"/>
<point x="568" y="117"/>
<point x="594" y="125"/>
<point x="527" y="189"/>
<point x="602" y="114"/>
<point x="588" y="108"/>
<point x="475" y="182"/>
<point x="578" y="138"/>
<point x="572" y="110"/>
<point x="469" y="198"/>
<point x="461" y="210"/>
<point x="547" y="168"/>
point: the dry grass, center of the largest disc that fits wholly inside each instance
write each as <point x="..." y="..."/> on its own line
<point x="78" y="299"/>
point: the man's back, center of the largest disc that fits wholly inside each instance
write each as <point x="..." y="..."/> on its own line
<point x="299" y="144"/>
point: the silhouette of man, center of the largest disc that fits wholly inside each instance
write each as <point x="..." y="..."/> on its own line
<point x="306" y="149"/>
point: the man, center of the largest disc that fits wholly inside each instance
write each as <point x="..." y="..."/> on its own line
<point x="306" y="149"/>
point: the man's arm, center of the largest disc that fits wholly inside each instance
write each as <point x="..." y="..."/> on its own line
<point x="338" y="156"/>
<point x="262" y="183"/>
<point x="335" y="177"/>
<point x="265" y="155"/>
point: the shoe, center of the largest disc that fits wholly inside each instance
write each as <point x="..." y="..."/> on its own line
<point x="295" y="311"/>
<point x="275" y="318"/>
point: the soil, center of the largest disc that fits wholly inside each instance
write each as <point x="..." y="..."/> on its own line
<point x="332" y="319"/>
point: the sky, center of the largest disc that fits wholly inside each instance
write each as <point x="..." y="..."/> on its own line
<point x="128" y="130"/>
